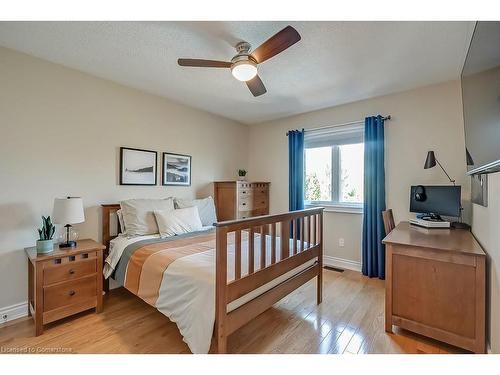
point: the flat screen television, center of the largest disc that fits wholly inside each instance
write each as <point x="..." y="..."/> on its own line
<point x="481" y="99"/>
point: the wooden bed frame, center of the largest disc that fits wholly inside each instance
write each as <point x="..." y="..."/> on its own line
<point x="304" y="227"/>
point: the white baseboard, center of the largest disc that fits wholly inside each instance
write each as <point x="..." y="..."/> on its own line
<point x="341" y="263"/>
<point x="12" y="312"/>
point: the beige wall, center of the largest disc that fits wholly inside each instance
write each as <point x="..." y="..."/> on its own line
<point x="423" y="119"/>
<point x="60" y="133"/>
<point x="486" y="228"/>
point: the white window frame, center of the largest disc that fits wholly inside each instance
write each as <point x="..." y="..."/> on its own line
<point x="335" y="205"/>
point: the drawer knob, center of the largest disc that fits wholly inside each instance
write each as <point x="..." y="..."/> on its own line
<point x="244" y="204"/>
<point x="71" y="272"/>
<point x="72" y="292"/>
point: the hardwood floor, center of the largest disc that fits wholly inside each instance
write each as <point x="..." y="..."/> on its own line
<point x="350" y="320"/>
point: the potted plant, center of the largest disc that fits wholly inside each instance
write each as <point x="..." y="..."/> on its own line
<point x="242" y="173"/>
<point x="46" y="243"/>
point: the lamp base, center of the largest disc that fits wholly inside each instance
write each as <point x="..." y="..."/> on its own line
<point x="457" y="225"/>
<point x="68" y="244"/>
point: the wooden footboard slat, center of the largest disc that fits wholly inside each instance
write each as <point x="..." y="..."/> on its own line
<point x="294" y="229"/>
<point x="251" y="250"/>
<point x="314" y="229"/>
<point x="237" y="254"/>
<point x="284" y="240"/>
<point x="308" y="231"/>
<point x="262" y="246"/>
<point x="302" y="233"/>
<point x="273" y="243"/>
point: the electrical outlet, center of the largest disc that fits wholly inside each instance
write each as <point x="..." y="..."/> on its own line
<point x="3" y="318"/>
<point x="341" y="242"/>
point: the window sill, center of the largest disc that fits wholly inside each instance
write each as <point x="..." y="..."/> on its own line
<point x="340" y="208"/>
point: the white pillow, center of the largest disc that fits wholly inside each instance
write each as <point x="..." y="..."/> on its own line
<point x="182" y="220"/>
<point x="138" y="215"/>
<point x="206" y="208"/>
<point x="120" y="221"/>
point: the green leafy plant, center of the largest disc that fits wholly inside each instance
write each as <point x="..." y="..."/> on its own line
<point x="312" y="188"/>
<point x="242" y="172"/>
<point x="48" y="229"/>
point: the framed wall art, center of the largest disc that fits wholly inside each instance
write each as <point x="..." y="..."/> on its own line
<point x="176" y="169"/>
<point x="138" y="167"/>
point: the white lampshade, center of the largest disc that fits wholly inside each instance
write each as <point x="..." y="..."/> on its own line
<point x="68" y="211"/>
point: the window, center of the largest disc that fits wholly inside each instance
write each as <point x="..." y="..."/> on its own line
<point x="334" y="168"/>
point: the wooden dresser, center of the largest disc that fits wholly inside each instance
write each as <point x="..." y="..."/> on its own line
<point x="241" y="199"/>
<point x="64" y="282"/>
<point x="435" y="285"/>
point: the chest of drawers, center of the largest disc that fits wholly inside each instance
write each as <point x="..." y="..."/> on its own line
<point x="241" y="199"/>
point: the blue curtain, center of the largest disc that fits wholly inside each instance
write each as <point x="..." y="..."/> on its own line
<point x="296" y="170"/>
<point x="374" y="199"/>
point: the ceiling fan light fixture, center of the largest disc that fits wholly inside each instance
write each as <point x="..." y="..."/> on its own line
<point x="244" y="70"/>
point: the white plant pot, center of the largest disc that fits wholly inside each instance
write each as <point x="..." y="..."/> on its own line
<point x="44" y="246"/>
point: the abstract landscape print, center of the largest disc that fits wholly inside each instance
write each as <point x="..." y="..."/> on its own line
<point x="176" y="169"/>
<point x="137" y="167"/>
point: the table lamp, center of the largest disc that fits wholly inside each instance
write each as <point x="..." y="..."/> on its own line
<point x="68" y="211"/>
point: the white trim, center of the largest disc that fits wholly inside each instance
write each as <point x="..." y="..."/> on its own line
<point x="12" y="312"/>
<point x="346" y="208"/>
<point x="341" y="263"/>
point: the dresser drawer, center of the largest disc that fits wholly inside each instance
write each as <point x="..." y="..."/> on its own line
<point x="69" y="271"/>
<point x="244" y="214"/>
<point x="69" y="293"/>
<point x="245" y="204"/>
<point x="245" y="192"/>
<point x="260" y="190"/>
<point x="260" y="201"/>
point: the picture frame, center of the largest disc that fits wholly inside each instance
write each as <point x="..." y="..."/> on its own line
<point x="176" y="169"/>
<point x="138" y="167"/>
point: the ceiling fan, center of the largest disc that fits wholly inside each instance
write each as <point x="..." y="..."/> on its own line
<point x="244" y="65"/>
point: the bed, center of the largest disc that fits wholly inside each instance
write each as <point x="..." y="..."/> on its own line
<point x="213" y="281"/>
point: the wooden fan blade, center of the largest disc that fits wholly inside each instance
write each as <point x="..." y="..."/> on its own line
<point x="200" y="63"/>
<point x="256" y="86"/>
<point x="276" y="44"/>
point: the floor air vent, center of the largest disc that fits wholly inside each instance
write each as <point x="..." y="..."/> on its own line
<point x="333" y="269"/>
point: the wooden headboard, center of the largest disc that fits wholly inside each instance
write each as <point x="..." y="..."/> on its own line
<point x="107" y="210"/>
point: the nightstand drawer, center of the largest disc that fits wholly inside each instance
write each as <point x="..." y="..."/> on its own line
<point x="69" y="293"/>
<point x="69" y="271"/>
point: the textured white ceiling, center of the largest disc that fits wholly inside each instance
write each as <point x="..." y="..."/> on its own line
<point x="334" y="63"/>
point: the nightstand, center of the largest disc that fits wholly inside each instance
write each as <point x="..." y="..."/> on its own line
<point x="64" y="282"/>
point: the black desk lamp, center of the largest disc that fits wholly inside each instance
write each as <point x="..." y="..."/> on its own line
<point x="430" y="162"/>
